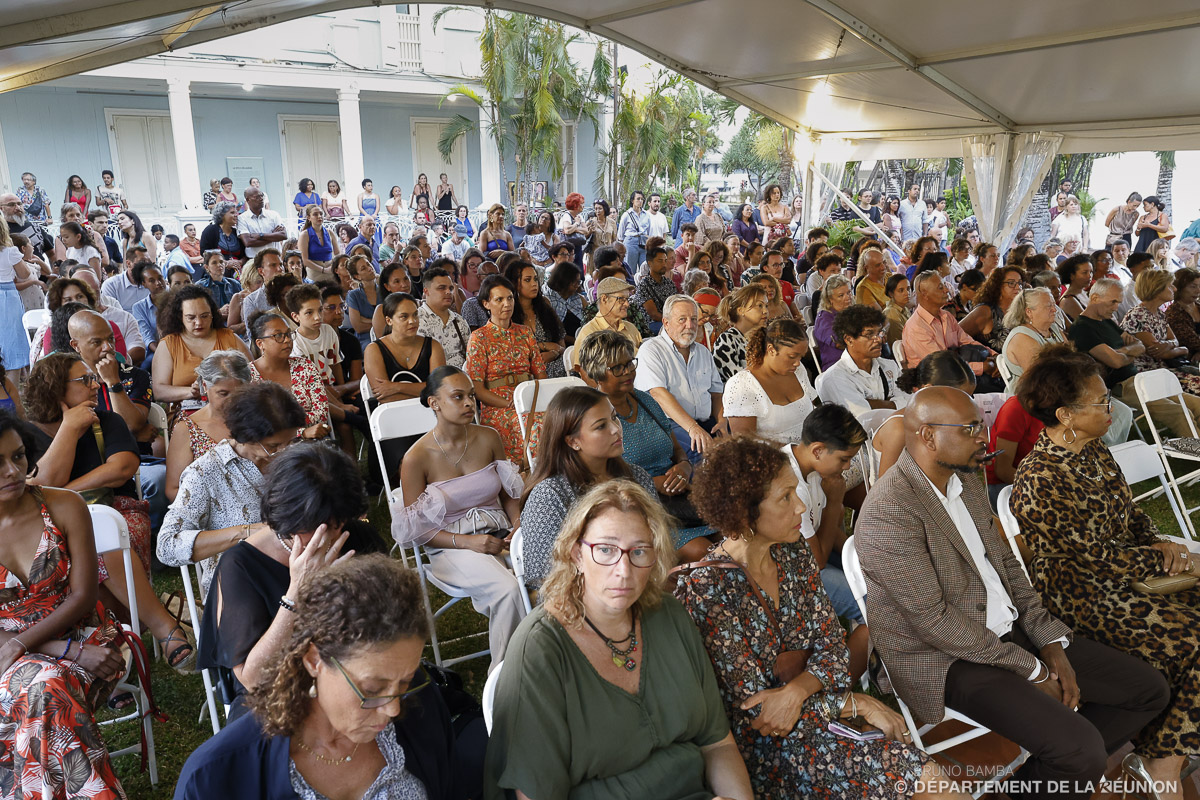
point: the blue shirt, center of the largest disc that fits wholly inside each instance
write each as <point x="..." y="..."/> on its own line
<point x="222" y="291"/>
<point x="179" y="258"/>
<point x="681" y="217"/>
<point x="374" y="245"/>
<point x="634" y="227"/>
<point x="146" y="314"/>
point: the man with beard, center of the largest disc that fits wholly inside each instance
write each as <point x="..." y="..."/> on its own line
<point x="19" y="222"/>
<point x="956" y="621"/>
<point x="681" y="375"/>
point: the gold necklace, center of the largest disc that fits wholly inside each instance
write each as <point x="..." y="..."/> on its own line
<point x="334" y="761"/>
<point x="445" y="455"/>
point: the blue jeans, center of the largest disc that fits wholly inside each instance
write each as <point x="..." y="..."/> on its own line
<point x="838" y="589"/>
<point x="154" y="491"/>
<point x="635" y="254"/>
<point x="685" y="439"/>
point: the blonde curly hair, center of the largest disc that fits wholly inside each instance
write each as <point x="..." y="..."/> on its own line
<point x="562" y="591"/>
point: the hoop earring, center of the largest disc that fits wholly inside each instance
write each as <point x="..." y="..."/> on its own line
<point x="1073" y="436"/>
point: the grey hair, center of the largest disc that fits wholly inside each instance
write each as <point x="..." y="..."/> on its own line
<point x="675" y="300"/>
<point x="918" y="281"/>
<point x="221" y="209"/>
<point x="1104" y="285"/>
<point x="693" y="280"/>
<point x="1015" y="316"/>
<point x="601" y="350"/>
<point x="1191" y="244"/>
<point x="224" y="365"/>
<point x="64" y="208"/>
<point x="834" y="282"/>
<point x="1045" y="278"/>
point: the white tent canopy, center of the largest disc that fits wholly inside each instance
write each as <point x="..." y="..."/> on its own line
<point x="883" y="80"/>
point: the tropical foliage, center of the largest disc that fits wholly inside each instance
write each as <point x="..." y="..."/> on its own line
<point x="532" y="86"/>
<point x="744" y="154"/>
<point x="773" y="142"/>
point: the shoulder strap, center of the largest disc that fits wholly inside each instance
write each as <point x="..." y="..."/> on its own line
<point x="657" y="421"/>
<point x="762" y="600"/>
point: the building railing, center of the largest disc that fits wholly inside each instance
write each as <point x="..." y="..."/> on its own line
<point x="408" y="44"/>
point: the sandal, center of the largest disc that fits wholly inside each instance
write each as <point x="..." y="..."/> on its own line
<point x="121" y="701"/>
<point x="182" y="659"/>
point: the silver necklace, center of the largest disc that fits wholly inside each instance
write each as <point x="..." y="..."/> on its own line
<point x="445" y="455"/>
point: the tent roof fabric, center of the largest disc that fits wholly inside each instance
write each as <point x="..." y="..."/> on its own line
<point x="890" y="79"/>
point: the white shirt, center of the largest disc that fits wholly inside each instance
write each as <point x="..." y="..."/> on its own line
<point x="692" y="383"/>
<point x="659" y="224"/>
<point x="745" y="397"/>
<point x="323" y="352"/>
<point x="456" y="251"/>
<point x="810" y="492"/>
<point x="259" y="224"/>
<point x="83" y="254"/>
<point x="1127" y="303"/>
<point x="1123" y="274"/>
<point x="847" y="385"/>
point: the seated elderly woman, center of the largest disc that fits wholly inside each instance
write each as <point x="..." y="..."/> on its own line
<point x="582" y="444"/>
<point x="91" y="451"/>
<point x="608" y="363"/>
<point x="216" y="506"/>
<point x="189" y="328"/>
<point x="743" y="312"/>
<point x="311" y="502"/>
<point x="472" y="494"/>
<point x="1148" y="324"/>
<point x="778" y="649"/>
<point x="1183" y="315"/>
<point x="220" y="374"/>
<point x="835" y="298"/>
<point x="606" y="690"/>
<point x="345" y="708"/>
<point x="941" y="368"/>
<point x="1094" y="545"/>
<point x="52" y="683"/>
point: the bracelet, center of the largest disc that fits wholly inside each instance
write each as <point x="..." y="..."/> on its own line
<point x="67" y="649"/>
<point x="24" y="646"/>
<point x="1041" y="666"/>
<point x="454" y="541"/>
<point x="79" y="655"/>
<point x="287" y="602"/>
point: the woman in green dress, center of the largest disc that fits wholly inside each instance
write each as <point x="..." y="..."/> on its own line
<point x="606" y="690"/>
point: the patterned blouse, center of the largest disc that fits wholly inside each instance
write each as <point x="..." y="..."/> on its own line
<point x="655" y="291"/>
<point x="1139" y="320"/>
<point x="729" y="353"/>
<point x="394" y="782"/>
<point x="306" y="388"/>
<point x="218" y="490"/>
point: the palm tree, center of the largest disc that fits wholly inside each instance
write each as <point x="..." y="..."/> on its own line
<point x="1166" y="178"/>
<point x="771" y="134"/>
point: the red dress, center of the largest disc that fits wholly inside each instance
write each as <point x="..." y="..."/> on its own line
<point x="49" y="743"/>
<point x="494" y="352"/>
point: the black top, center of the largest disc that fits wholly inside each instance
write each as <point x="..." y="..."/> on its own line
<point x="1087" y="333"/>
<point x="117" y="439"/>
<point x="417" y="373"/>
<point x="210" y="239"/>
<point x="351" y="347"/>
<point x="248" y="584"/>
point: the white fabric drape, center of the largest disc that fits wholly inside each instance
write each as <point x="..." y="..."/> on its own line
<point x="1003" y="172"/>
<point x="816" y="211"/>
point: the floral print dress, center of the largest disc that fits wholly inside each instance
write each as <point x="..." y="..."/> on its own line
<point x="495" y="353"/>
<point x="50" y="746"/>
<point x="306" y="387"/>
<point x="1139" y="320"/>
<point x="810" y="761"/>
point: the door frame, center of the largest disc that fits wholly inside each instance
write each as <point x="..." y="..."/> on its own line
<point x="114" y="151"/>
<point x="464" y="191"/>
<point x="294" y="180"/>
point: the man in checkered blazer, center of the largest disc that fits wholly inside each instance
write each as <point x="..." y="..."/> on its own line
<point x="955" y="620"/>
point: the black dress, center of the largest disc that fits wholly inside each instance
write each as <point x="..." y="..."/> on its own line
<point x="394" y="449"/>
<point x="1147" y="236"/>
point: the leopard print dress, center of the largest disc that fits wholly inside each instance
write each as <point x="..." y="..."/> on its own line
<point x="1089" y="542"/>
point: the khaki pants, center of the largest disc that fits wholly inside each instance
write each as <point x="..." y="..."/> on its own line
<point x="1165" y="412"/>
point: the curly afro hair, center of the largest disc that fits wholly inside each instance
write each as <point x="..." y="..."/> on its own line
<point x="731" y="482"/>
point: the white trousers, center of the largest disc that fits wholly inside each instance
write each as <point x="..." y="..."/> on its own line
<point x="491" y="586"/>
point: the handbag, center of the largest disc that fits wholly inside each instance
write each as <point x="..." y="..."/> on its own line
<point x="1168" y="234"/>
<point x="789" y="664"/>
<point x="1165" y="584"/>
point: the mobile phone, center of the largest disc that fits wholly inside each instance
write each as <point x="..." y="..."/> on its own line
<point x="855" y="728"/>
<point x="988" y="458"/>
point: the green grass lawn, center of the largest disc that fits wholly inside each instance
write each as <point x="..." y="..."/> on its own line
<point x="460" y="631"/>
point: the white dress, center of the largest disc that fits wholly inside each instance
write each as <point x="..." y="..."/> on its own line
<point x="745" y="397"/>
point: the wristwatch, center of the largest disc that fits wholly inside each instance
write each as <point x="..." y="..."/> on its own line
<point x="116" y="387"/>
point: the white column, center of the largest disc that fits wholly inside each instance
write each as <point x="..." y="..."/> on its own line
<point x="351" y="133"/>
<point x="489" y="164"/>
<point x="183" y="132"/>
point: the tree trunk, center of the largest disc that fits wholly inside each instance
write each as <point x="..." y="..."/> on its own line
<point x="894" y="177"/>
<point x="1166" y="180"/>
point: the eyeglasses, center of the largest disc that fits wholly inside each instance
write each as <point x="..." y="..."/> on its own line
<point x="1013" y="284"/>
<point x="871" y="335"/>
<point x="421" y="679"/>
<point x="1107" y="404"/>
<point x="623" y="369"/>
<point x="272" y="453"/>
<point x="90" y="379"/>
<point x="286" y="336"/>
<point x="607" y="555"/>
<point x="971" y="429"/>
<point x="621" y="300"/>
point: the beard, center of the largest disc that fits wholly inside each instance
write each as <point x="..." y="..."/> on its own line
<point x="17" y="219"/>
<point x="686" y="339"/>
<point x="961" y="469"/>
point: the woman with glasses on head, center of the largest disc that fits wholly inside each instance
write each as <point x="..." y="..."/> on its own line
<point x="744" y="311"/>
<point x="1094" y="542"/>
<point x="217" y="503"/>
<point x="460" y="504"/>
<point x="274" y="341"/>
<point x="189" y="328"/>
<point x="607" y="691"/>
<point x="346" y="710"/>
<point x="607" y="363"/>
<point x="311" y="501"/>
<point x="985" y="323"/>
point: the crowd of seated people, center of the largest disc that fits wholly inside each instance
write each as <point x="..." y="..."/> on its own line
<point x="691" y="428"/>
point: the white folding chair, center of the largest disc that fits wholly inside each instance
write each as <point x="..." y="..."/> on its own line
<point x="868" y="456"/>
<point x="393" y="421"/>
<point x="32" y="320"/>
<point x="1139" y="462"/>
<point x="112" y="533"/>
<point x="489" y="695"/>
<point x="210" y="692"/>
<point x="812" y="348"/>
<point x="157" y="416"/>
<point x="364" y="389"/>
<point x="1008" y="522"/>
<point x="523" y="400"/>
<point x="898" y="353"/>
<point x="1161" y="384"/>
<point x="858" y="585"/>
<point x="1005" y="370"/>
<point x="568" y="362"/>
<point x="516" y="558"/>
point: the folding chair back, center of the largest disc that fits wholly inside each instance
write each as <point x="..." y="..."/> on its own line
<point x="516" y="558"/>
<point x="813" y="348"/>
<point x="32" y="320"/>
<point x="394" y="421"/>
<point x="1161" y="384"/>
<point x="1008" y="522"/>
<point x="364" y="389"/>
<point x="898" y="353"/>
<point x="523" y="400"/>
<point x="157" y="416"/>
<point x="1139" y="462"/>
<point x="568" y="355"/>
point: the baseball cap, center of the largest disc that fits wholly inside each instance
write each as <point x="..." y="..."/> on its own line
<point x="460" y="229"/>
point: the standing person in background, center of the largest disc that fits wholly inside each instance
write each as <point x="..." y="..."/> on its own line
<point x="336" y="204"/>
<point x="744" y="228"/>
<point x="659" y="224"/>
<point x="1121" y="219"/>
<point x="209" y="198"/>
<point x="914" y="217"/>
<point x="447" y="200"/>
<point x="133" y="232"/>
<point x="35" y="202"/>
<point x="633" y="229"/>
<point x="258" y="226"/>
<point x="520" y="220"/>
<point x="420" y="189"/>
<point x="602" y="230"/>
<point x="462" y="217"/>
<point x="317" y="247"/>
<point x="685" y="214"/>
<point x="227" y="194"/>
<point x="710" y="227"/>
<point x="14" y="342"/>
<point x="574" y="227"/>
<point x="307" y="196"/>
<point x="110" y="197"/>
<point x="776" y="217"/>
<point x="368" y="202"/>
<point x="1152" y="224"/>
<point x="78" y="193"/>
<point x="256" y="184"/>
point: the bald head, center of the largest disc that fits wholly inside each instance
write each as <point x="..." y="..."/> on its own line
<point x="937" y="404"/>
<point x="10" y="206"/>
<point x="91" y="336"/>
<point x="88" y="276"/>
<point x="944" y="433"/>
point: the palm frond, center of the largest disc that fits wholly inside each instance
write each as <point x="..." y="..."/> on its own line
<point x="457" y="127"/>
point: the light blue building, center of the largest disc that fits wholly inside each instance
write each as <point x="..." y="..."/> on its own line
<point x="344" y="96"/>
